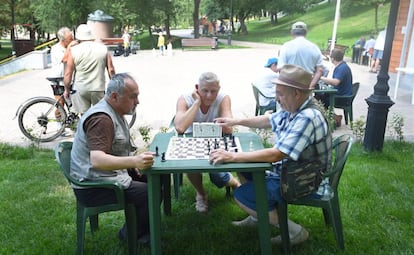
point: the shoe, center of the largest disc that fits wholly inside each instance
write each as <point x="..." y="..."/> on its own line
<point x="301" y="237"/>
<point x="201" y="204"/>
<point x="246" y="222"/>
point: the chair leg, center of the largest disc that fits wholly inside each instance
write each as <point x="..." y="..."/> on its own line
<point x="346" y="116"/>
<point x="80" y="228"/>
<point x="131" y="222"/>
<point x="336" y="221"/>
<point x="93" y="221"/>
<point x="178" y="181"/>
<point x="282" y="212"/>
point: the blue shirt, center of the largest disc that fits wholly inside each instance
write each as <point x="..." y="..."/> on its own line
<point x="343" y="73"/>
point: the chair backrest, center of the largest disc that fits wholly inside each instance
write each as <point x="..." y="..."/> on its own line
<point x="62" y="155"/>
<point x="340" y="148"/>
<point x="256" y="92"/>
<point x="355" y="88"/>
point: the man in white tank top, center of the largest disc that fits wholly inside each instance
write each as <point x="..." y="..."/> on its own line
<point x="204" y="104"/>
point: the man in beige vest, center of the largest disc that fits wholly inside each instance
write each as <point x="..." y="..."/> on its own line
<point x="87" y="62"/>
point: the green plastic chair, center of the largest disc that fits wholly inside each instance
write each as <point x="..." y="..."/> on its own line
<point x="346" y="103"/>
<point x="260" y="110"/>
<point x="62" y="154"/>
<point x="330" y="208"/>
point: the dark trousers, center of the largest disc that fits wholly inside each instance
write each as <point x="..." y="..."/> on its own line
<point x="135" y="194"/>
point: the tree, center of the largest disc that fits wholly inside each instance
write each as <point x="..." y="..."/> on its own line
<point x="373" y="3"/>
<point x="196" y="19"/>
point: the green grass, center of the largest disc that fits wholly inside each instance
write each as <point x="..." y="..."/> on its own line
<point x="38" y="213"/>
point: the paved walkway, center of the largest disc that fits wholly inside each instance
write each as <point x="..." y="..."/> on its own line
<point x="162" y="79"/>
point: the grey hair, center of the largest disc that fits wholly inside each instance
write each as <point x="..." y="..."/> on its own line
<point x="61" y="34"/>
<point x="117" y="84"/>
<point x="208" y="77"/>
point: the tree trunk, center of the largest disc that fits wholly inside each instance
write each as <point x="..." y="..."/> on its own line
<point x="243" y="26"/>
<point x="196" y="19"/>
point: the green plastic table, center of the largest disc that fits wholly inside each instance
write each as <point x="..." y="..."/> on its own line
<point x="249" y="141"/>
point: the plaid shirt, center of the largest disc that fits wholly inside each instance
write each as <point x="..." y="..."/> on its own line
<point x="296" y="132"/>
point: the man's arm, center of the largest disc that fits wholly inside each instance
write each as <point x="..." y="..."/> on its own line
<point x="67" y="79"/>
<point x="109" y="65"/>
<point x="261" y="121"/>
<point x="225" y="111"/>
<point x="265" y="155"/>
<point x="316" y="76"/>
<point x="99" y="130"/>
<point x="185" y="115"/>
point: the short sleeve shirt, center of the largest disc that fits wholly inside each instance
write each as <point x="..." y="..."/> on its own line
<point x="295" y="132"/>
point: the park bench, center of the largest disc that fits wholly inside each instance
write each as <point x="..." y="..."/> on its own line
<point x="200" y="43"/>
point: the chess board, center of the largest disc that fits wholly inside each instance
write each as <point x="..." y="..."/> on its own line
<point x="186" y="148"/>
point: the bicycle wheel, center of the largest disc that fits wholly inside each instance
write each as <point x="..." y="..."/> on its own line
<point x="130" y="118"/>
<point x="42" y="119"/>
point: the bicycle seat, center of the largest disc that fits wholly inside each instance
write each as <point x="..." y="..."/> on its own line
<point x="55" y="79"/>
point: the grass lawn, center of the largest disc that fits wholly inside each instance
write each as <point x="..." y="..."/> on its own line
<point x="38" y="211"/>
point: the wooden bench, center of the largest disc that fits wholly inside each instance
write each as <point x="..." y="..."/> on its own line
<point x="199" y="42"/>
<point x="112" y="41"/>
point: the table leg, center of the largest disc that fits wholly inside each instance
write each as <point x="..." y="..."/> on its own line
<point x="331" y="110"/>
<point x="154" y="212"/>
<point x="262" y="212"/>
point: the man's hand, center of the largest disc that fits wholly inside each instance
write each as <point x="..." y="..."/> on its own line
<point x="196" y="96"/>
<point x="220" y="156"/>
<point x="225" y="122"/>
<point x="145" y="160"/>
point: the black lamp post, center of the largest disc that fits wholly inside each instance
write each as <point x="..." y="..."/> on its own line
<point x="379" y="102"/>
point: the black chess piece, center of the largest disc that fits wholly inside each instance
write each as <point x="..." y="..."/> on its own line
<point x="233" y="141"/>
<point x="156" y="151"/>
<point x="163" y="157"/>
<point x="216" y="145"/>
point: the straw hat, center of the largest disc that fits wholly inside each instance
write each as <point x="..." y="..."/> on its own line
<point x="294" y="76"/>
<point x="84" y="33"/>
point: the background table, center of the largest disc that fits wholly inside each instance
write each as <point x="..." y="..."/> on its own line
<point x="248" y="141"/>
<point x="331" y="92"/>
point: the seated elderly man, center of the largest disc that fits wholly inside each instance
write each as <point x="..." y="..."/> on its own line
<point x="302" y="138"/>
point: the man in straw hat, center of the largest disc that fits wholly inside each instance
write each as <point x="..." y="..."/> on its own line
<point x="87" y="63"/>
<point x="302" y="52"/>
<point x="302" y="136"/>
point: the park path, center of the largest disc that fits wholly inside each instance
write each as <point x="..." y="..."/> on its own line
<point x="162" y="79"/>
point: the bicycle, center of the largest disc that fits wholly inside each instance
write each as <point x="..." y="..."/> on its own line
<point x="44" y="119"/>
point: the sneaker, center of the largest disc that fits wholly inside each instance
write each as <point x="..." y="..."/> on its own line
<point x="201" y="204"/>
<point x="301" y="237"/>
<point x="247" y="222"/>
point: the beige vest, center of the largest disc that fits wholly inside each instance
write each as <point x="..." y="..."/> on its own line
<point x="90" y="66"/>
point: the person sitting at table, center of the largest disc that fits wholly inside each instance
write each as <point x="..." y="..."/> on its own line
<point x="301" y="136"/>
<point x="266" y="87"/>
<point x="103" y="148"/>
<point x="341" y="80"/>
<point x="204" y="104"/>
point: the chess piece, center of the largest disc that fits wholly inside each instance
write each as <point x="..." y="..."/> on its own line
<point x="156" y="151"/>
<point x="163" y="157"/>
<point x="233" y="141"/>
